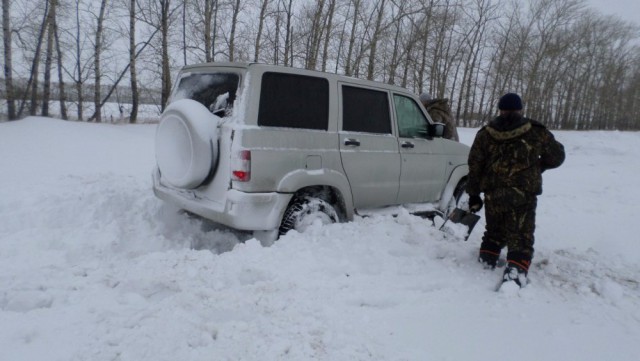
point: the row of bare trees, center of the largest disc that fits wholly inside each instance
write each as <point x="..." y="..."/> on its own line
<point x="576" y="68"/>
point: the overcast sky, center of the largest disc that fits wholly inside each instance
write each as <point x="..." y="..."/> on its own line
<point x="626" y="9"/>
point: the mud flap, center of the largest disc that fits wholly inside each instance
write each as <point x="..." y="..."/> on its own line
<point x="460" y="216"/>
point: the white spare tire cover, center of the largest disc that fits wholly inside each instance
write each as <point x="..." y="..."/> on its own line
<point x="186" y="143"/>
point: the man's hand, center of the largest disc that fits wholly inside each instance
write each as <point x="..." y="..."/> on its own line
<point x="475" y="203"/>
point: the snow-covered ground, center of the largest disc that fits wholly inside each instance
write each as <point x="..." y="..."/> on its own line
<point x="93" y="267"/>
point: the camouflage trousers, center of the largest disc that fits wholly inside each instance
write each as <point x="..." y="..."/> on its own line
<point x="511" y="221"/>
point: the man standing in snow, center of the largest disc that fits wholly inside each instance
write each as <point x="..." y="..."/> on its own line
<point x="506" y="162"/>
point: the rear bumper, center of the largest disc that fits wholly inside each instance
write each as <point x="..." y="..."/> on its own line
<point x="239" y="210"/>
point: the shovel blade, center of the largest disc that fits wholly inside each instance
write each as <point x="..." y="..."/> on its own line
<point x="461" y="216"/>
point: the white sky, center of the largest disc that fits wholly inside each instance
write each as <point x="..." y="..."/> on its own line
<point x="627" y="9"/>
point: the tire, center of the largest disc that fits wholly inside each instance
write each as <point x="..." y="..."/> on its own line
<point x="305" y="211"/>
<point x="186" y="144"/>
<point x="460" y="198"/>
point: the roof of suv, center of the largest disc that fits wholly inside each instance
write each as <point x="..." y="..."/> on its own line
<point x="268" y="67"/>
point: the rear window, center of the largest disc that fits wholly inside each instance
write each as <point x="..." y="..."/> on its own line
<point x="216" y="91"/>
<point x="294" y="101"/>
<point x="365" y="110"/>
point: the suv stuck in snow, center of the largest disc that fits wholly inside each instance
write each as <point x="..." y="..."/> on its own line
<point x="269" y="149"/>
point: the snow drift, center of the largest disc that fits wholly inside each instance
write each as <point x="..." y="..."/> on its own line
<point x="93" y="267"/>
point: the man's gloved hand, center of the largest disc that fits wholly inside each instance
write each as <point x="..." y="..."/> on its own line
<point x="475" y="203"/>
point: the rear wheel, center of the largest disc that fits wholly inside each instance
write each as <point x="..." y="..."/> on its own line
<point x="306" y="211"/>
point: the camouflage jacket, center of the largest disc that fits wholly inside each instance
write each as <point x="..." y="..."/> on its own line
<point x="512" y="152"/>
<point x="440" y="112"/>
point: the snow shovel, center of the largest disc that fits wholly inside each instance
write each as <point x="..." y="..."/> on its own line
<point x="461" y="216"/>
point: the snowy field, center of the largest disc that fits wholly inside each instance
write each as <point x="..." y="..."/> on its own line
<point x="147" y="113"/>
<point x="94" y="267"/>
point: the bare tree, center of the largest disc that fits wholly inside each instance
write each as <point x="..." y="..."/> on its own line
<point x="32" y="83"/>
<point x="159" y="16"/>
<point x="288" y="57"/>
<point x="234" y="26"/>
<point x="261" y="20"/>
<point x="82" y="62"/>
<point x="211" y="13"/>
<point x="135" y="95"/>
<point x="46" y="91"/>
<point x="329" y="30"/>
<point x="315" y="33"/>
<point x="474" y="42"/>
<point x="61" y="88"/>
<point x="574" y="67"/>
<point x="8" y="70"/>
<point x="374" y="40"/>
<point x="97" y="48"/>
<point x="352" y="39"/>
<point x="184" y="31"/>
<point x="166" y="71"/>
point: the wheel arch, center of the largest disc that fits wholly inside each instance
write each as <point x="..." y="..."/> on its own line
<point x="324" y="192"/>
<point x="325" y="182"/>
<point x="457" y="175"/>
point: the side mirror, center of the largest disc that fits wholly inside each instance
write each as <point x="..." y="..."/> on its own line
<point x="436" y="130"/>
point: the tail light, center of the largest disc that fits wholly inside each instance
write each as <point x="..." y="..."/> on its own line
<point x="241" y="166"/>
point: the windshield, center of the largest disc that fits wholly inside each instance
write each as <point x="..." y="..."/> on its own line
<point x="216" y="91"/>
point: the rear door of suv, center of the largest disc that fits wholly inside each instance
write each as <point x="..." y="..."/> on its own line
<point x="368" y="148"/>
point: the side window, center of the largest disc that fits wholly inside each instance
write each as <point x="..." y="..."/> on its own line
<point x="365" y="110"/>
<point x="294" y="101"/>
<point x="411" y="121"/>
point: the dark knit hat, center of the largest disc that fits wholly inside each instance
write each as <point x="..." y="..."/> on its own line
<point x="510" y="101"/>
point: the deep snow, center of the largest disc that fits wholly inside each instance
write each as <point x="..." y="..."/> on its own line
<point x="94" y="267"/>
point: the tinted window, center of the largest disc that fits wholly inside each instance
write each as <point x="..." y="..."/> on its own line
<point x="411" y="121"/>
<point x="216" y="91"/>
<point x="294" y="101"/>
<point x="365" y="110"/>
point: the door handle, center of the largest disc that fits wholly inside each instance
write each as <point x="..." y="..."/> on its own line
<point x="352" y="142"/>
<point x="407" y="145"/>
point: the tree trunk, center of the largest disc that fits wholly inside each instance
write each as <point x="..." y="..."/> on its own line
<point x="46" y="92"/>
<point x="342" y="36"/>
<point x="263" y="12"/>
<point x="288" y="52"/>
<point x="8" y="71"/>
<point x="325" y="50"/>
<point x="166" y="71"/>
<point x="209" y="31"/>
<point x="32" y="84"/>
<point x="425" y="48"/>
<point x="315" y="33"/>
<point x="348" y="68"/>
<point x="96" y="63"/>
<point x="276" y="41"/>
<point x="395" y="54"/>
<point x="232" y="35"/>
<point x="133" y="116"/>
<point x="208" y="15"/>
<point x="184" y="31"/>
<point x="374" y="42"/>
<point x="78" y="65"/>
<point x="61" y="89"/>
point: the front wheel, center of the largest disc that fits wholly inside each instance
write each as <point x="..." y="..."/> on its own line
<point x="307" y="211"/>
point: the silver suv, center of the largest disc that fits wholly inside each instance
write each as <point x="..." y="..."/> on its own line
<point x="269" y="149"/>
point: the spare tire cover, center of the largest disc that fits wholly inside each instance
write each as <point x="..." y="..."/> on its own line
<point x="186" y="143"/>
